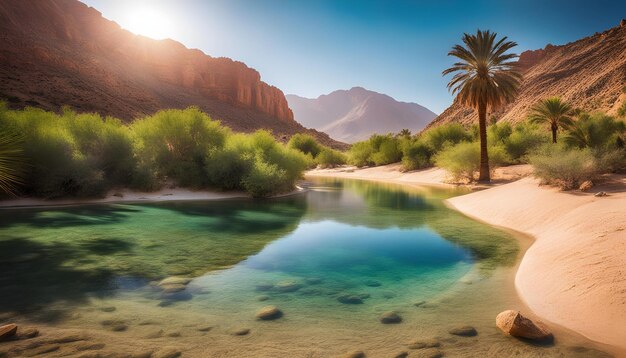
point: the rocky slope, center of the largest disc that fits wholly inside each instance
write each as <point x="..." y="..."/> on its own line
<point x="356" y="114"/>
<point x="589" y="73"/>
<point x="62" y="52"/>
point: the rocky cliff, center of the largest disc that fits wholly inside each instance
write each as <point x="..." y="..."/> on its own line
<point x="62" y="52"/>
<point x="589" y="73"/>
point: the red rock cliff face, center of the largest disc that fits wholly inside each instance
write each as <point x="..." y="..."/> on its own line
<point x="57" y="52"/>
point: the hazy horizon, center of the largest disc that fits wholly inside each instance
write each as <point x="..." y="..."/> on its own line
<point x="314" y="48"/>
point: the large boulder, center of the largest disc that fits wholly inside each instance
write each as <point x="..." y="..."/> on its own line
<point x="513" y="323"/>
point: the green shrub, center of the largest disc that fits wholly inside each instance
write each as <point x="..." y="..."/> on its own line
<point x="564" y="167"/>
<point x="329" y="158"/>
<point x="611" y="160"/>
<point x="415" y="154"/>
<point x="360" y="153"/>
<point x="445" y="135"/>
<point x="596" y="130"/>
<point x="523" y="140"/>
<point x="499" y="133"/>
<point x="462" y="161"/>
<point x="386" y="150"/>
<point x="175" y="142"/>
<point x="85" y="155"/>
<point x="377" y="150"/>
<point x="305" y="143"/>
<point x="264" y="179"/>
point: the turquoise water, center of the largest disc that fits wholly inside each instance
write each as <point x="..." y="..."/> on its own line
<point x="333" y="259"/>
<point x="340" y="238"/>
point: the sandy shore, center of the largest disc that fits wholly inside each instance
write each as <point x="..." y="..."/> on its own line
<point x="574" y="274"/>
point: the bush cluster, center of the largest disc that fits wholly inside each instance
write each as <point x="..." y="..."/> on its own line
<point x="318" y="154"/>
<point x="377" y="150"/>
<point x="85" y="155"/>
<point x="593" y="145"/>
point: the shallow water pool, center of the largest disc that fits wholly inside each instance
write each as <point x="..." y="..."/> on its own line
<point x="333" y="260"/>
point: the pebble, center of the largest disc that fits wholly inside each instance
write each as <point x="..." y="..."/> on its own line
<point x="350" y="299"/>
<point x="372" y="283"/>
<point x="465" y="331"/>
<point x="241" y="331"/>
<point x="419" y="344"/>
<point x="354" y="354"/>
<point x="390" y="318"/>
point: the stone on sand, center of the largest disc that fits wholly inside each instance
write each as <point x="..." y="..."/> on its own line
<point x="513" y="323"/>
<point x="350" y="299"/>
<point x="241" y="331"/>
<point x="390" y="317"/>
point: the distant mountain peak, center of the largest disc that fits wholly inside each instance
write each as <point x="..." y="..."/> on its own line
<point x="355" y="114"/>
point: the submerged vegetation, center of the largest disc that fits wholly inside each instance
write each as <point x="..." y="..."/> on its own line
<point x="85" y="155"/>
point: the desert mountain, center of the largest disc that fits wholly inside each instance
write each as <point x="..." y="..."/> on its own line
<point x="356" y="114"/>
<point x="589" y="73"/>
<point x="62" y="52"/>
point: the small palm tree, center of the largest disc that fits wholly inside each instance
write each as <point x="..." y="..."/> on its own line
<point x="485" y="79"/>
<point x="554" y="112"/>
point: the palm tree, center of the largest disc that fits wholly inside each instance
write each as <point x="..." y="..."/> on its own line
<point x="485" y="79"/>
<point x="554" y="112"/>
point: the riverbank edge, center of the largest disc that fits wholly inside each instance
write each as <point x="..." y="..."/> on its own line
<point x="538" y="280"/>
<point x="134" y="197"/>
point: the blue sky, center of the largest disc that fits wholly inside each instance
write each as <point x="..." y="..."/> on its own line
<point x="395" y="47"/>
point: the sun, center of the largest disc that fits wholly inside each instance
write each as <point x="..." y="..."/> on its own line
<point x="149" y="20"/>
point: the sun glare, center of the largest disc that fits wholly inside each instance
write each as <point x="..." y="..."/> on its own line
<point x="148" y="20"/>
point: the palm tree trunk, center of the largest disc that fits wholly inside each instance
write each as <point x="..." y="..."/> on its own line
<point x="484" y="156"/>
<point x="554" y="129"/>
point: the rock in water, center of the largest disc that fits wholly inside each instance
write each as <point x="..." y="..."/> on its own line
<point x="7" y="331"/>
<point x="465" y="331"/>
<point x="390" y="317"/>
<point x="287" y="286"/>
<point x="513" y="323"/>
<point x="421" y="344"/>
<point x="269" y="313"/>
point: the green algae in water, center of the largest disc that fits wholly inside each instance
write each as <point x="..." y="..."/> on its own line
<point x="385" y="244"/>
